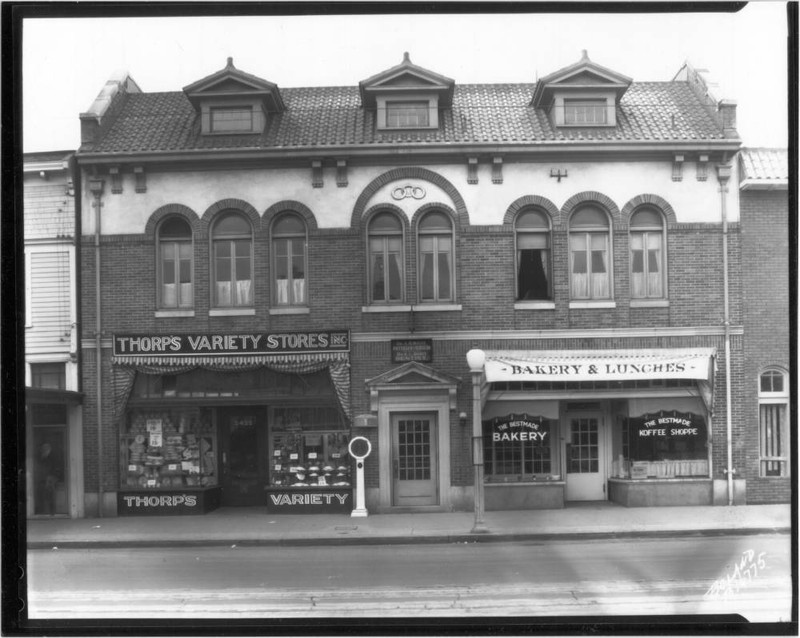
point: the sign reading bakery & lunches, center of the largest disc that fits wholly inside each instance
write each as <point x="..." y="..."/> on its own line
<point x="246" y="343"/>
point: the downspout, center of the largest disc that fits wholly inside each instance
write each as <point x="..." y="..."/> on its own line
<point x="724" y="174"/>
<point x="96" y="188"/>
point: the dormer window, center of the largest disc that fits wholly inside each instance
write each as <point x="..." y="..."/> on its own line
<point x="407" y="114"/>
<point x="407" y="97"/>
<point x="231" y="101"/>
<point x="231" y="119"/>
<point x="583" y="94"/>
<point x="585" y="112"/>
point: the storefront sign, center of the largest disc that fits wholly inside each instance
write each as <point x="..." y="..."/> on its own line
<point x="670" y="426"/>
<point x="595" y="366"/>
<point x="229" y="344"/>
<point x="174" y="502"/>
<point x="519" y="428"/>
<point x="405" y="350"/>
<point x="309" y="501"/>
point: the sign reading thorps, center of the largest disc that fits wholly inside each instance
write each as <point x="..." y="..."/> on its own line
<point x="598" y="365"/>
<point x="228" y="344"/>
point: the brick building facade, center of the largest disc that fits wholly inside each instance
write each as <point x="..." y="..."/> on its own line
<point x="764" y="205"/>
<point x="268" y="273"/>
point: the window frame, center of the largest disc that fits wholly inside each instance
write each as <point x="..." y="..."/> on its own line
<point x="233" y="238"/>
<point x="436" y="233"/>
<point x="394" y="106"/>
<point x="646" y="231"/>
<point x="547" y="233"/>
<point x="243" y="108"/>
<point x="780" y="399"/>
<point x="288" y="238"/>
<point x="588" y="232"/>
<point x="160" y="241"/>
<point x="598" y="105"/>
<point x="384" y="236"/>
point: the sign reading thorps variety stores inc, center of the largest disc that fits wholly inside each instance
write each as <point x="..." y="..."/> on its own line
<point x="258" y="343"/>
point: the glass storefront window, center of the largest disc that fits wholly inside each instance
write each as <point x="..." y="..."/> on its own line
<point x="518" y="447"/>
<point x="169" y="448"/>
<point x="308" y="447"/>
<point x="666" y="444"/>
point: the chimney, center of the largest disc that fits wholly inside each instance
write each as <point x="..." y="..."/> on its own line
<point x="106" y="105"/>
<point x="727" y="116"/>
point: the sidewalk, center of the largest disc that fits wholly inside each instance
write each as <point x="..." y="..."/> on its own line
<point x="255" y="526"/>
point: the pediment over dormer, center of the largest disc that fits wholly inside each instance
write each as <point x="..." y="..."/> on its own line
<point x="231" y="101"/>
<point x="413" y="377"/>
<point x="409" y="83"/>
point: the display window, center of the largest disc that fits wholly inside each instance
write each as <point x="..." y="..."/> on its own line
<point x="308" y="447"/>
<point x="168" y="448"/>
<point x="520" y="447"/>
<point x="665" y="444"/>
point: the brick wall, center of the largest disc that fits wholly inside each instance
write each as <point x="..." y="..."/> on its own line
<point x="765" y="292"/>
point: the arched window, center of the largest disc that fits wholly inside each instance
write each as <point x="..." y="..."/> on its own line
<point x="385" y="239"/>
<point x="232" y="246"/>
<point x="175" y="289"/>
<point x="289" y="260"/>
<point x="647" y="254"/>
<point x="773" y="423"/>
<point x="435" y="263"/>
<point x="534" y="278"/>
<point x="590" y="264"/>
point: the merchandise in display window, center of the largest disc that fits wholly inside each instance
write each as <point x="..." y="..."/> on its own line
<point x="168" y="449"/>
<point x="308" y="447"/>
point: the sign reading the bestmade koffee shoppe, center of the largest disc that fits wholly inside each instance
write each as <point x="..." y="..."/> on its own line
<point x="232" y="344"/>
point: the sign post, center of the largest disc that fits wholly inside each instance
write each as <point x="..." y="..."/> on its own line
<point x="359" y="449"/>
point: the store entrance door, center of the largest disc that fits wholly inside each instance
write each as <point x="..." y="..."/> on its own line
<point x="414" y="460"/>
<point x="243" y="444"/>
<point x="586" y="459"/>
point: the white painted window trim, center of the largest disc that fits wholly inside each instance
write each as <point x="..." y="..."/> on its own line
<point x="592" y="304"/>
<point x="174" y="313"/>
<point x="231" y="312"/>
<point x="535" y="305"/>
<point x="387" y="308"/>
<point x="296" y="310"/>
<point x="649" y="303"/>
<point x="436" y="307"/>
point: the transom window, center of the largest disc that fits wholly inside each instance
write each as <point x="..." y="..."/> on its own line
<point x="232" y="119"/>
<point x="773" y="423"/>
<point x="407" y="114"/>
<point x="534" y="279"/>
<point x="232" y="246"/>
<point x="585" y="112"/>
<point x="176" y="289"/>
<point x="289" y="256"/>
<point x="436" y="275"/>
<point x="589" y="254"/>
<point x="385" y="240"/>
<point x="647" y="254"/>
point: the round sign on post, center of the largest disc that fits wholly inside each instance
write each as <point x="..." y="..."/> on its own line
<point x="359" y="448"/>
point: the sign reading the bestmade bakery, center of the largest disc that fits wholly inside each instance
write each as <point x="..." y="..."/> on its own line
<point x="232" y="344"/>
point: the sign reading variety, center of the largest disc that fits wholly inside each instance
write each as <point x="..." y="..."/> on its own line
<point x="228" y="344"/>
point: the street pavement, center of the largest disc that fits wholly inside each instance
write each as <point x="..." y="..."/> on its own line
<point x="257" y="526"/>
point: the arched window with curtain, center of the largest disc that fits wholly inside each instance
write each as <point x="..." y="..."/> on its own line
<point x="232" y="247"/>
<point x="435" y="264"/>
<point x="534" y="274"/>
<point x="773" y="423"/>
<point x="647" y="254"/>
<point x="385" y="266"/>
<point x="175" y="264"/>
<point x="289" y="260"/>
<point x="590" y="254"/>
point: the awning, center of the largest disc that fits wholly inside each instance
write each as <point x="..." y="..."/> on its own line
<point x="599" y="365"/>
<point x="221" y="361"/>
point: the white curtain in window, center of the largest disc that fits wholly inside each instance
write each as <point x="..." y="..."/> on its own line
<point x="654" y="278"/>
<point x="282" y="291"/>
<point x="186" y="295"/>
<point x="244" y="293"/>
<point x="299" y="291"/>
<point x="224" y="293"/>
<point x="168" y="295"/>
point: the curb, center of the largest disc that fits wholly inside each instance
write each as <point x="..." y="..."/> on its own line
<point x="401" y="540"/>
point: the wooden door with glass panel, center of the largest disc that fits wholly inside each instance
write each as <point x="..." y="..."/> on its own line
<point x="585" y="458"/>
<point x="414" y="459"/>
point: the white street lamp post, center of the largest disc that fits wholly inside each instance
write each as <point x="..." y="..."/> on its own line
<point x="475" y="360"/>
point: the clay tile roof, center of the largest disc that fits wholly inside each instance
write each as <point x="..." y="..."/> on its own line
<point x="764" y="164"/>
<point x="319" y="117"/>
